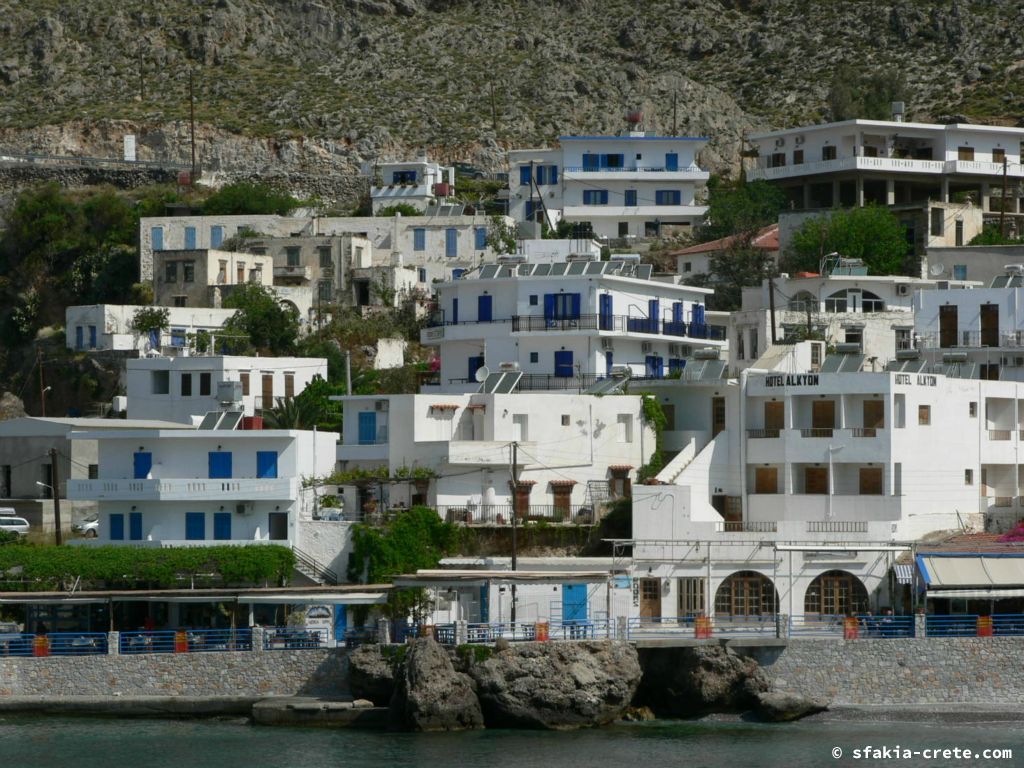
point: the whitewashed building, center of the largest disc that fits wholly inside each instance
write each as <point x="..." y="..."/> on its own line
<point x="454" y="452"/>
<point x="420" y="183"/>
<point x="184" y="389"/>
<point x="566" y="325"/>
<point x="629" y="186"/>
<point x="108" y="327"/>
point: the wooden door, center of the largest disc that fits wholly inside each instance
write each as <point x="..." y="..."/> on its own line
<point x="774" y="415"/>
<point x="268" y="390"/>
<point x="870" y="481"/>
<point x="650" y="599"/>
<point x="766" y="480"/>
<point x="948" y="325"/>
<point x="874" y="414"/>
<point x="717" y="415"/>
<point x="990" y="325"/>
<point x="823" y="414"/>
<point x="816" y="480"/>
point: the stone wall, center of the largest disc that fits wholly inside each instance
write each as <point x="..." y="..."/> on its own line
<point x="279" y="672"/>
<point x="985" y="670"/>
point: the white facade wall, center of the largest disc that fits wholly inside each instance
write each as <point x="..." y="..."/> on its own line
<point x="145" y="378"/>
<point x="110" y="325"/>
<point x="395" y="186"/>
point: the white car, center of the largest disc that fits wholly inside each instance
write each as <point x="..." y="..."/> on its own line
<point x="13" y="524"/>
<point x="88" y="528"/>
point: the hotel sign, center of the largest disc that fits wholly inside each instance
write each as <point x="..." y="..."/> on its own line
<point x="923" y="379"/>
<point x="792" y="380"/>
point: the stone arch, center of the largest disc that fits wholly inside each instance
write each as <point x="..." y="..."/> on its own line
<point x="746" y="593"/>
<point x="836" y="593"/>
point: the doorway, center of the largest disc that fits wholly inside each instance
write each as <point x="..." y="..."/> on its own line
<point x="823" y="417"/>
<point x="717" y="416"/>
<point x="278" y="526"/>
<point x="650" y="600"/>
<point x="990" y="325"/>
<point x="948" y="325"/>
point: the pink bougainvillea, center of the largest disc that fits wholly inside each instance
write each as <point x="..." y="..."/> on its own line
<point x="1017" y="534"/>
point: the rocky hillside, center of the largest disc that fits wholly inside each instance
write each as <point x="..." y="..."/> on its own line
<point x="316" y="86"/>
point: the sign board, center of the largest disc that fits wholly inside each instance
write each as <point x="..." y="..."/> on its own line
<point x="321" y="619"/>
<point x="129" y="147"/>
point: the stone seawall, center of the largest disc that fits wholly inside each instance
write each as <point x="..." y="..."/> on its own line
<point x="905" y="671"/>
<point x="313" y="672"/>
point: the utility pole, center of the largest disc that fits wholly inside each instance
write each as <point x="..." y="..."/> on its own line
<point x="675" y="97"/>
<point x="142" y="75"/>
<point x="55" y="482"/>
<point x="533" y="207"/>
<point x="1002" y="205"/>
<point x="348" y="372"/>
<point x="42" y="389"/>
<point x="192" y="123"/>
<point x="771" y="305"/>
<point x="494" y="111"/>
<point x="515" y="514"/>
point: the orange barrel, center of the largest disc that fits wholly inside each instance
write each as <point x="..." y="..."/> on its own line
<point x="541" y="631"/>
<point x="702" y="627"/>
<point x="851" y="630"/>
<point x="180" y="642"/>
<point x="41" y="646"/>
<point x="984" y="626"/>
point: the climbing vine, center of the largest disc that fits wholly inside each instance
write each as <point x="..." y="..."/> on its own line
<point x="654" y="417"/>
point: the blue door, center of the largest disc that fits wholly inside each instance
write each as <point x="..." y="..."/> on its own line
<point x="697" y="327"/>
<point x="135" y="526"/>
<point x="475" y="364"/>
<point x="654" y="367"/>
<point x="367" y="427"/>
<point x="216" y="236"/>
<point x="156" y="236"/>
<point x="451" y="242"/>
<point x="92" y="337"/>
<point x="266" y="464"/>
<point x="117" y="527"/>
<point x="608" y="363"/>
<point x="142" y="464"/>
<point x="190" y="238"/>
<point x="605" y="310"/>
<point x="563" y="363"/>
<point x="195" y="526"/>
<point x="574" y="602"/>
<point x="222" y="526"/>
<point x="79" y="338"/>
<point x="484" y="305"/>
<point x="220" y="465"/>
<point x="671" y="161"/>
<point x="455" y="311"/>
<point x="631" y="198"/>
<point x="653" y="316"/>
<point x="340" y="622"/>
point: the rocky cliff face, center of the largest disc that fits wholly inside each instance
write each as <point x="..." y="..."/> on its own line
<point x="321" y="85"/>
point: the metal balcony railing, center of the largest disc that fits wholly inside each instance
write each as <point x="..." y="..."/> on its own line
<point x="837" y="526"/>
<point x="756" y="434"/>
<point x="613" y="323"/>
<point x="817" y="432"/>
<point x="746" y="526"/>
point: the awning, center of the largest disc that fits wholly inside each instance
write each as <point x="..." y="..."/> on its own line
<point x="954" y="571"/>
<point x="455" y="578"/>
<point x="346" y="598"/>
<point x="904" y="573"/>
<point x="976" y="594"/>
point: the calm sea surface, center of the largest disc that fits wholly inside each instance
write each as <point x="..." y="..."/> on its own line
<point x="29" y="742"/>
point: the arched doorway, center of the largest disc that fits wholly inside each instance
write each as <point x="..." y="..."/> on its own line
<point x="836" y="593"/>
<point x="746" y="593"/>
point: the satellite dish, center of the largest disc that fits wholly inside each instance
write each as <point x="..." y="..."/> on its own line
<point x="482" y="373"/>
<point x="936" y="269"/>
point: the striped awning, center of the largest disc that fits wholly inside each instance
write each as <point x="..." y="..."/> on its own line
<point x="904" y="573"/>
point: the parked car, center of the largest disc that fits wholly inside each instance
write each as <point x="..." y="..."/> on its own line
<point x="465" y="169"/>
<point x="11" y="523"/>
<point x="88" y="527"/>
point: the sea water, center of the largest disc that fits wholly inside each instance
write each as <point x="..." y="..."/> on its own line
<point x="38" y="741"/>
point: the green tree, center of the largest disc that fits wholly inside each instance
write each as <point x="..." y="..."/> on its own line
<point x="149" y="319"/>
<point x="315" y="400"/>
<point x="868" y="96"/>
<point x="405" y="209"/>
<point x="501" y="236"/>
<point x="292" y="413"/>
<point x="737" y="208"/>
<point x="738" y="266"/>
<point x="990" y="235"/>
<point x="871" y="233"/>
<point x="245" y="198"/>
<point x="270" y="326"/>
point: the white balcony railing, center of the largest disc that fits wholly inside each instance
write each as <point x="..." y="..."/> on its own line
<point x="183" y="489"/>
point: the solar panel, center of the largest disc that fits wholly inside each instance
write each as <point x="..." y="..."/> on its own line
<point x="508" y="382"/>
<point x="210" y="420"/>
<point x="577" y="268"/>
<point x="230" y="420"/>
<point x="915" y="366"/>
<point x="491" y="382"/>
<point x="525" y="269"/>
<point x="831" y="364"/>
<point x="1000" y="281"/>
<point x="1016" y="281"/>
<point x="542" y="270"/>
<point x="713" y="370"/>
<point x="850" y="363"/>
<point x="559" y="268"/>
<point x="595" y="267"/>
<point x="606" y="386"/>
<point x="894" y="366"/>
<point x="643" y="271"/>
<point x="488" y="271"/>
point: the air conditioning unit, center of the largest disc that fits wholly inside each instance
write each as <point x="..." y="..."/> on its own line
<point x="606" y="344"/>
<point x="646" y="347"/>
<point x="675" y="349"/>
<point x="902" y="289"/>
<point x="243" y="508"/>
<point x="780" y="142"/>
<point x="380" y="405"/>
<point x="798" y="140"/>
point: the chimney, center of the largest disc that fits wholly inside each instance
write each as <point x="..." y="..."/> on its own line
<point x="897" y="111"/>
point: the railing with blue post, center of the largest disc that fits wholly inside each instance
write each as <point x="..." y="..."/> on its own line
<point x="292" y="638"/>
<point x="16" y="644"/>
<point x="965" y="625"/>
<point x="77" y="643"/>
<point x="148" y="641"/>
<point x="1008" y="625"/>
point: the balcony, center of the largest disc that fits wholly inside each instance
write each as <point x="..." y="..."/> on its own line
<point x="665" y="213"/>
<point x="882" y="164"/>
<point x="183" y="489"/>
<point x="610" y="323"/>
<point x="746" y="526"/>
<point x="763" y="434"/>
<point x="817" y="432"/>
<point x="635" y="173"/>
<point x="293" y="272"/>
<point x="837" y="526"/>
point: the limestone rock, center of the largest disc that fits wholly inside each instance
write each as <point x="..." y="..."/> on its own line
<point x="430" y="695"/>
<point x="11" y="406"/>
<point x="782" y="707"/>
<point x="684" y="682"/>
<point x="557" y="685"/>
<point x="371" y="675"/>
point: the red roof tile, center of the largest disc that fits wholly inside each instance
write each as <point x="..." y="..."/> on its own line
<point x="766" y="239"/>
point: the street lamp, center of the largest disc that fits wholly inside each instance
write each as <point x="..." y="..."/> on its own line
<point x="42" y="401"/>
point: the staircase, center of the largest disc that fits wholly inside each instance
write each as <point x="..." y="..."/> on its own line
<point x="313" y="569"/>
<point x="680" y="461"/>
<point x="598" y="493"/>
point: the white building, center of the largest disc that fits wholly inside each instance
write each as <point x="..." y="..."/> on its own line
<point x="419" y="183"/>
<point x="567" y="324"/>
<point x="814" y="482"/>
<point x="981" y="329"/>
<point x="105" y="327"/>
<point x="890" y="162"/>
<point x="454" y="452"/>
<point x="184" y="389"/>
<point x="635" y="185"/>
<point x="196" y="487"/>
<point x="875" y="313"/>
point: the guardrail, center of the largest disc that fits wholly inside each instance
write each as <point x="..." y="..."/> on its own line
<point x="522" y="631"/>
<point x="501" y="514"/>
<point x="851" y="627"/>
<point x="289" y="639"/>
<point x="55" y="644"/>
<point x="951" y="626"/>
<point x="185" y="641"/>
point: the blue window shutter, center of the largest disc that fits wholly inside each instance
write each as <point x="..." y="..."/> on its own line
<point x="653" y="316"/>
<point x="451" y="242"/>
<point x="481" y="238"/>
<point x="367" y="427"/>
<point x="484" y="307"/>
<point x="587" y="196"/>
<point x="553" y="175"/>
<point x="609" y="362"/>
<point x="604" y="196"/>
<point x="79" y="337"/>
<point x="475" y="364"/>
<point x="574" y="306"/>
<point x="154" y="338"/>
<point x="220" y="465"/>
<point x="266" y="464"/>
<point x="422" y="274"/>
<point x="591" y="162"/>
<point x="549" y="306"/>
<point x="117" y="527"/>
<point x="190" y="238"/>
<point x="605" y="309"/>
<point x="524" y="175"/>
<point x="671" y="161"/>
<point x="630" y="198"/>
<point x="419" y="239"/>
<point x="541" y="172"/>
<point x="216" y="236"/>
<point x="92" y="337"/>
<point x="195" y="526"/>
<point x="142" y="463"/>
<point x="222" y="526"/>
<point x="156" y="236"/>
<point x="677" y="311"/>
<point x="135" y="526"/>
<point x="455" y="307"/>
<point x="604" y="161"/>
